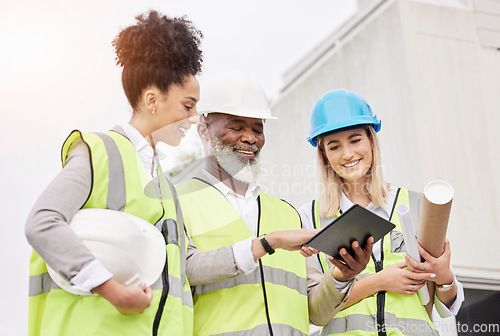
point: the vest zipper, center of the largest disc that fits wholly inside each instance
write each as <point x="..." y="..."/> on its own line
<point x="379" y="265"/>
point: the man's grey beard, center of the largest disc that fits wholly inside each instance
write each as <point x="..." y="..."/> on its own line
<point x="241" y="169"/>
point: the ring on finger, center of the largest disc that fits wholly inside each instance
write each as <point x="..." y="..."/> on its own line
<point x="413" y="288"/>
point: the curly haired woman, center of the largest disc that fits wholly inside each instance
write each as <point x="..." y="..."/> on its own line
<point x="160" y="57"/>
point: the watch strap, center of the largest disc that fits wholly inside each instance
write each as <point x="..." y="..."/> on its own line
<point x="445" y="288"/>
<point x="266" y="245"/>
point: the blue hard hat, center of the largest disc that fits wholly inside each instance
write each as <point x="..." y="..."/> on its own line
<point x="339" y="109"/>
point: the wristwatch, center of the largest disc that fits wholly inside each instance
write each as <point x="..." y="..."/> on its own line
<point x="266" y="245"/>
<point x="445" y="288"/>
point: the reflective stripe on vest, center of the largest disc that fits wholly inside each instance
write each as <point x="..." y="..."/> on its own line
<point x="175" y="290"/>
<point x="119" y="181"/>
<point x="212" y="222"/>
<point x="368" y="323"/>
<point x="273" y="275"/>
<point x="398" y="308"/>
<point x="278" y="329"/>
<point x="43" y="283"/>
<point x="117" y="197"/>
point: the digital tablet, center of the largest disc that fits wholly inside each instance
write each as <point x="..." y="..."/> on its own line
<point x="357" y="223"/>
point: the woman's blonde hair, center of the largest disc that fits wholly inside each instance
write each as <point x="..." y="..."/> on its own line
<point x="331" y="184"/>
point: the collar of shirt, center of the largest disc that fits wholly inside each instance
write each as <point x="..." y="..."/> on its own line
<point x="384" y="212"/>
<point x="252" y="192"/>
<point x="147" y="154"/>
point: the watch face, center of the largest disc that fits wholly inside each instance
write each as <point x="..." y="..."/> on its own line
<point x="445" y="288"/>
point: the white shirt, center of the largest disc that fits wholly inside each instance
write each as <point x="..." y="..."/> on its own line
<point x="149" y="156"/>
<point x="385" y="212"/>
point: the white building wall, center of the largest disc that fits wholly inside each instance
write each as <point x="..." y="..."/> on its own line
<point x="436" y="87"/>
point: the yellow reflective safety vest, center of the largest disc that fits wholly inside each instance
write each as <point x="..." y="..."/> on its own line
<point x="274" y="296"/>
<point x="121" y="183"/>
<point x="384" y="313"/>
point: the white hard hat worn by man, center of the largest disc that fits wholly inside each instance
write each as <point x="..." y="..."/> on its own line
<point x="233" y="93"/>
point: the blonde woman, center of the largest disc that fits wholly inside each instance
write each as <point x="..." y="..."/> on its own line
<point x="344" y="131"/>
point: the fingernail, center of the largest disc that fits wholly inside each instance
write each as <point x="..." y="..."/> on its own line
<point x="404" y="253"/>
<point x="433" y="275"/>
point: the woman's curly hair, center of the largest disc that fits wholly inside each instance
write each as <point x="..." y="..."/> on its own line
<point x="159" y="51"/>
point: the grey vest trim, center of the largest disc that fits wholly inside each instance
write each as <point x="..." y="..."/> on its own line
<point x="368" y="323"/>
<point x="176" y="289"/>
<point x="272" y="275"/>
<point x="263" y="329"/>
<point x="117" y="197"/>
<point x="43" y="283"/>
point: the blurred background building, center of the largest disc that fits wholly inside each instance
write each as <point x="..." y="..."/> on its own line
<point x="430" y="69"/>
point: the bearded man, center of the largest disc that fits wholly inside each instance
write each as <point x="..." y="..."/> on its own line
<point x="248" y="288"/>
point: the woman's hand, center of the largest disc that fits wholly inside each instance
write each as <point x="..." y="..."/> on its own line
<point x="350" y="267"/>
<point x="129" y="300"/>
<point x="393" y="279"/>
<point x="397" y="279"/>
<point x="439" y="266"/>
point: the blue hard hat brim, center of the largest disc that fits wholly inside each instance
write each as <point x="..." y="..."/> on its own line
<point x="314" y="134"/>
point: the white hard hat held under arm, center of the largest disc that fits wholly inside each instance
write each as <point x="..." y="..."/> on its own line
<point x="232" y="92"/>
<point x="132" y="249"/>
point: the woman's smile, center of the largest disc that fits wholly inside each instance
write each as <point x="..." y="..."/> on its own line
<point x="351" y="164"/>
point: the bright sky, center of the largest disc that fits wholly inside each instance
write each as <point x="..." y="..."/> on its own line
<point x="58" y="73"/>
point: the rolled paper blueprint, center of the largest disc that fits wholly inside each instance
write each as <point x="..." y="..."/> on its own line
<point x="411" y="244"/>
<point x="436" y="207"/>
